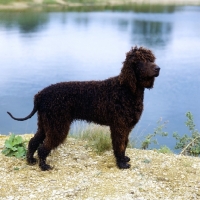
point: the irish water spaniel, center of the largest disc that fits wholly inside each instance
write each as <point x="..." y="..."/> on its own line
<point x="116" y="102"/>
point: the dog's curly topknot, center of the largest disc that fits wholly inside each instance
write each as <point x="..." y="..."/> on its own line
<point x="140" y="54"/>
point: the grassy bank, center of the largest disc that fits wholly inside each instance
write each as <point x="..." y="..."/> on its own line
<point x="64" y="4"/>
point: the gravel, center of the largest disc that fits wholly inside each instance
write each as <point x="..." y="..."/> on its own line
<point x="79" y="173"/>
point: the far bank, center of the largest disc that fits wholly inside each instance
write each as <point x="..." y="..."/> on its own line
<point x="67" y="4"/>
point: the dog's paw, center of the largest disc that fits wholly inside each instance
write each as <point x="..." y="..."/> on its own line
<point x="45" y="167"/>
<point x="123" y="165"/>
<point x="127" y="159"/>
<point x="31" y="161"/>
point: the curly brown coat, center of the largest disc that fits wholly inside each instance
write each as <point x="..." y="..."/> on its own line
<point x="116" y="102"/>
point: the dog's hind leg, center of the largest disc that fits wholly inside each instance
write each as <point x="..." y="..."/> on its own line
<point x="35" y="142"/>
<point x="54" y="137"/>
<point x="33" y="146"/>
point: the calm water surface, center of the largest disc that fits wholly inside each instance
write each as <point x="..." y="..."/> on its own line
<point x="41" y="48"/>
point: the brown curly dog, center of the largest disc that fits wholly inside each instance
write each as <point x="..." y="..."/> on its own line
<point x="116" y="102"/>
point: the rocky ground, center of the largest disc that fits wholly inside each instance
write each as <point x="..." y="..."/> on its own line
<point x="79" y="173"/>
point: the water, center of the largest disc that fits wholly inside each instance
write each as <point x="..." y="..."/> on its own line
<point x="41" y="48"/>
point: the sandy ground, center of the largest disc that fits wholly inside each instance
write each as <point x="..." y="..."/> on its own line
<point x="79" y="173"/>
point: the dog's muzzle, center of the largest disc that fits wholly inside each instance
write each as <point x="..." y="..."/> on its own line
<point x="157" y="71"/>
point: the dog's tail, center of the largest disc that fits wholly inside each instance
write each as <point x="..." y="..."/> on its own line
<point x="25" y="118"/>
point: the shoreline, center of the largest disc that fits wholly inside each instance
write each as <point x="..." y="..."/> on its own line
<point x="63" y="4"/>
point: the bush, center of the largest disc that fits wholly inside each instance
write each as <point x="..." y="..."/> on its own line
<point x="15" y="146"/>
<point x="189" y="145"/>
<point x="150" y="138"/>
<point x="164" y="149"/>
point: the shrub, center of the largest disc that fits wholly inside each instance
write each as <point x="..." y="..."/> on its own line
<point x="189" y="145"/>
<point x="15" y="146"/>
<point x="164" y="149"/>
<point x="150" y="138"/>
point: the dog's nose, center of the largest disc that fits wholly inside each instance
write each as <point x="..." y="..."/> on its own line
<point x="157" y="69"/>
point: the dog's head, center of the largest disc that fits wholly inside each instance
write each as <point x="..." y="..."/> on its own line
<point x="139" y="69"/>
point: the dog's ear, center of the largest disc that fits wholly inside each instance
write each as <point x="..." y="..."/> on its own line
<point x="127" y="77"/>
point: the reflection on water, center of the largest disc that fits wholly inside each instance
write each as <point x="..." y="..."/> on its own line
<point x="152" y="32"/>
<point x="41" y="48"/>
<point x="27" y="22"/>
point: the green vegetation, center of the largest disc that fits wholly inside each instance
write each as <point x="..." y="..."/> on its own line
<point x="164" y="149"/>
<point x="189" y="144"/>
<point x="150" y="138"/>
<point x="98" y="138"/>
<point x="49" y="2"/>
<point x="92" y="5"/>
<point x="6" y="1"/>
<point x="12" y="1"/>
<point x="15" y="146"/>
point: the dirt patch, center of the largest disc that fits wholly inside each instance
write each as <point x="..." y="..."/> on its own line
<point x="79" y="173"/>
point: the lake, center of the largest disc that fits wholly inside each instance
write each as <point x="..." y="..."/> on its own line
<point x="39" y="48"/>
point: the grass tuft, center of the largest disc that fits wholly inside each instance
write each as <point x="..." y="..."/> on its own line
<point x="165" y="150"/>
<point x="98" y="137"/>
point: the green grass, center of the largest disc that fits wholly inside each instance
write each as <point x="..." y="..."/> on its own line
<point x="6" y="1"/>
<point x="13" y="1"/>
<point x="98" y="137"/>
<point x="49" y="2"/>
<point x="164" y="149"/>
